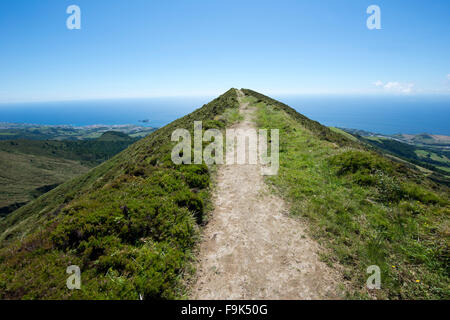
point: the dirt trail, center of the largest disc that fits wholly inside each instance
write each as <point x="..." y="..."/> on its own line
<point x="251" y="248"/>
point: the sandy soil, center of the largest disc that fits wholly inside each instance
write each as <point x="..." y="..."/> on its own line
<point x="251" y="248"/>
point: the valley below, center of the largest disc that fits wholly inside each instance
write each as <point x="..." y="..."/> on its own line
<point x="31" y="167"/>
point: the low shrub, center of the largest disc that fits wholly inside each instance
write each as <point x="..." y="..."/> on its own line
<point x="416" y="192"/>
<point x="389" y="188"/>
<point x="192" y="202"/>
<point x="360" y="161"/>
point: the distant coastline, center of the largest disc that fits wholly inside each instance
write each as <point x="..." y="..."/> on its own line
<point x="15" y="131"/>
<point x="386" y="115"/>
<point x="12" y="125"/>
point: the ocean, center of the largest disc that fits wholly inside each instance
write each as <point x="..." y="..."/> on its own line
<point x="158" y="111"/>
<point x="379" y="114"/>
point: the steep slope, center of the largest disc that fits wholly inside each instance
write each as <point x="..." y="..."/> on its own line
<point x="363" y="207"/>
<point x="30" y="168"/>
<point x="90" y="152"/>
<point x="23" y="177"/>
<point x="432" y="159"/>
<point x="129" y="224"/>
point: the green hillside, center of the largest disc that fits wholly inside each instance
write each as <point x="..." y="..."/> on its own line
<point x="432" y="158"/>
<point x="130" y="223"/>
<point x="362" y="207"/>
<point x="16" y="131"/>
<point x="114" y="136"/>
<point x="431" y="152"/>
<point x="89" y="152"/>
<point x="30" y="168"/>
<point x="24" y="177"/>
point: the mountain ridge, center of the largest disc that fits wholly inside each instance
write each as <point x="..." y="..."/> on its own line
<point x="138" y="204"/>
<point x="132" y="223"/>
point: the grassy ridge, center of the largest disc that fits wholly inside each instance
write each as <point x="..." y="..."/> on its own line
<point x="363" y="208"/>
<point x="315" y="127"/>
<point x="130" y="223"/>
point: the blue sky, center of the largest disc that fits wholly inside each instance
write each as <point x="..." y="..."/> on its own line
<point x="144" y="48"/>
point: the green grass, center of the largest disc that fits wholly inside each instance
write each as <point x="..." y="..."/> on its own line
<point x="233" y="115"/>
<point x="342" y="132"/>
<point x="130" y="224"/>
<point x="89" y="152"/>
<point x="363" y="208"/>
<point x="31" y="167"/>
<point x="320" y="131"/>
<point x="431" y="158"/>
<point x="25" y="176"/>
<point x="446" y="169"/>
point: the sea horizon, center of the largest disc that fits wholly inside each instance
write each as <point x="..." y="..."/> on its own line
<point x="383" y="114"/>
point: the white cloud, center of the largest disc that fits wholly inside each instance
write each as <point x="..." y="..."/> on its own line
<point x="394" y="86"/>
<point x="448" y="76"/>
<point x="378" y="83"/>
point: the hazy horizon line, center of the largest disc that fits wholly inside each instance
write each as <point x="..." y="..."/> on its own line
<point x="207" y="95"/>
